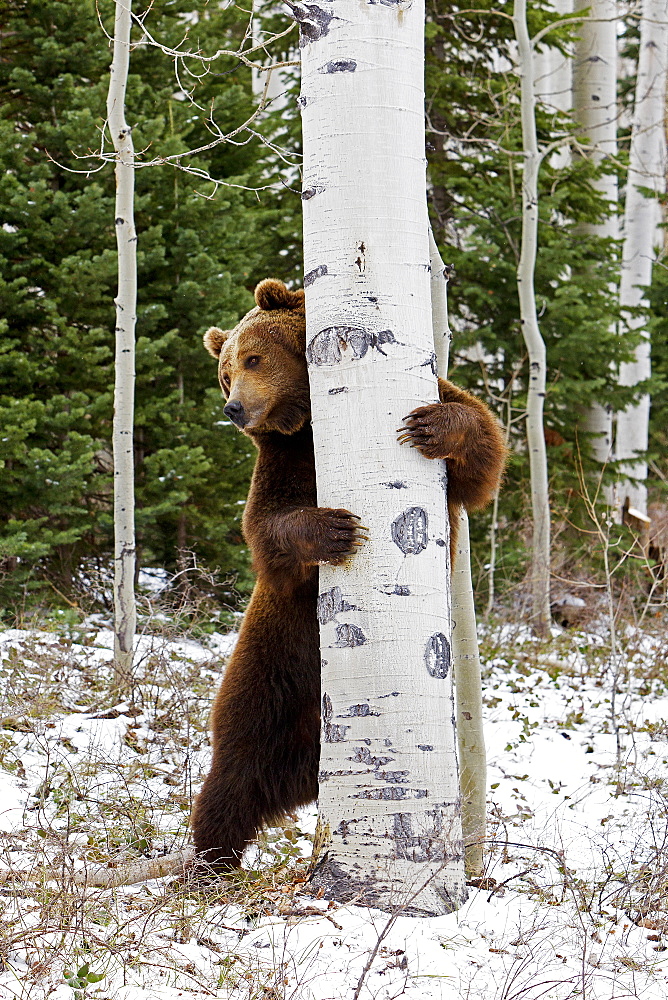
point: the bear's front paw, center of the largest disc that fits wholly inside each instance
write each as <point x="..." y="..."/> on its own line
<point x="437" y="431"/>
<point x="336" y="536"/>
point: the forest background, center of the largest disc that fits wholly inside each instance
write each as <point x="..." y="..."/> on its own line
<point x="202" y="247"/>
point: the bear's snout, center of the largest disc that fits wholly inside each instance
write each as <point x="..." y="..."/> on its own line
<point x="235" y="411"/>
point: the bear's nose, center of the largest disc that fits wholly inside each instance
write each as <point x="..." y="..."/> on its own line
<point x="235" y="411"/>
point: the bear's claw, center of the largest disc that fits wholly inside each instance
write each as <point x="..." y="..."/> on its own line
<point x="433" y="431"/>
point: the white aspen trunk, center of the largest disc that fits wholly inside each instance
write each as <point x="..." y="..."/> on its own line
<point x="493" y="545"/>
<point x="553" y="77"/>
<point x="647" y="169"/>
<point x="552" y="69"/>
<point x="268" y="86"/>
<point x="465" y="653"/>
<point x="389" y="795"/>
<point x="595" y="110"/>
<point x="125" y="616"/>
<point x="440" y="323"/>
<point x="468" y="699"/>
<point x="540" y="501"/>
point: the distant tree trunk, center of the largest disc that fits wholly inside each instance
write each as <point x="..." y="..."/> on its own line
<point x="465" y="654"/>
<point x="647" y="169"/>
<point x="389" y="795"/>
<point x="540" y="502"/>
<point x="125" y="616"/>
<point x="595" y="111"/>
<point x="553" y="73"/>
<point x="268" y="86"/>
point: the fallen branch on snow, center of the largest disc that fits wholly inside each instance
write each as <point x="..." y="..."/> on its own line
<point x="177" y="863"/>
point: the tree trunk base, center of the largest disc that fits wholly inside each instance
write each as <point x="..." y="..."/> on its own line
<point x="412" y="893"/>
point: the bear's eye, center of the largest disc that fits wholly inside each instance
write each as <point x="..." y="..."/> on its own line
<point x="226" y="380"/>
<point x="252" y="362"/>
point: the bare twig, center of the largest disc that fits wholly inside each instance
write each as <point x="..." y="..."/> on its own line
<point x="177" y="863"/>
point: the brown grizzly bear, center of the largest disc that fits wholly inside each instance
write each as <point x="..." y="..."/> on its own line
<point x="265" y="720"/>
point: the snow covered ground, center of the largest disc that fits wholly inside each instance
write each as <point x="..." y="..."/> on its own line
<point x="576" y="901"/>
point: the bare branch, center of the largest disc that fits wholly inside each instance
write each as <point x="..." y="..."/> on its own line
<point x="107" y="877"/>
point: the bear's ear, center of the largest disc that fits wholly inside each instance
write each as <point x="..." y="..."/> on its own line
<point x="214" y="340"/>
<point x="273" y="294"/>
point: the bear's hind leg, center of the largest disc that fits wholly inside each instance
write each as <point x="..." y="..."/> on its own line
<point x="245" y="791"/>
<point x="226" y="818"/>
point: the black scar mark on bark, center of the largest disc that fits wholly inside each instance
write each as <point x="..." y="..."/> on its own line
<point x="332" y="732"/>
<point x="358" y="711"/>
<point x="396" y="485"/>
<point x="341" y="388"/>
<point x="392" y="694"/>
<point x="326" y="775"/>
<point x="349" y="635"/>
<point x="311" y="31"/>
<point x="424" y="746"/>
<point x="430" y="844"/>
<point x="394" y="777"/>
<point x="440" y="541"/>
<point x="326" y="347"/>
<point x="363" y="755"/>
<point x="437" y="656"/>
<point x="339" y="66"/>
<point x="330" y="603"/>
<point x="431" y="363"/>
<point x="396" y="590"/>
<point x="409" y="531"/>
<point x="316" y="273"/>
<point x="311" y="192"/>
<point x="392" y="792"/>
<point x="313" y="21"/>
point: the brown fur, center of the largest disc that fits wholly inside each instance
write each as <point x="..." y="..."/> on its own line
<point x="265" y="720"/>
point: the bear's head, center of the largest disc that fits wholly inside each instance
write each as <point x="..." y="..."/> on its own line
<point x="262" y="365"/>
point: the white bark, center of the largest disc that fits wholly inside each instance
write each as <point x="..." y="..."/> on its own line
<point x="465" y="653"/>
<point x="595" y="110"/>
<point x="647" y="169"/>
<point x="468" y="691"/>
<point x="440" y="322"/>
<point x="125" y="616"/>
<point x="540" y="503"/>
<point x="268" y="86"/>
<point x="553" y="75"/>
<point x="389" y="796"/>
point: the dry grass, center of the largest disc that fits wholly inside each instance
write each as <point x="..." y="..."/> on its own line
<point x="104" y="783"/>
<point x="108" y="784"/>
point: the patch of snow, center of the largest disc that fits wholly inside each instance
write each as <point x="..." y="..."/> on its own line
<point x="153" y="580"/>
<point x="578" y="807"/>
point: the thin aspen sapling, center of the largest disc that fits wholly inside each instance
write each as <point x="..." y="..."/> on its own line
<point x="125" y="614"/>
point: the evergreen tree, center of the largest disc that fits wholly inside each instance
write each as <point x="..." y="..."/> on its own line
<point x="475" y="170"/>
<point x="198" y="261"/>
